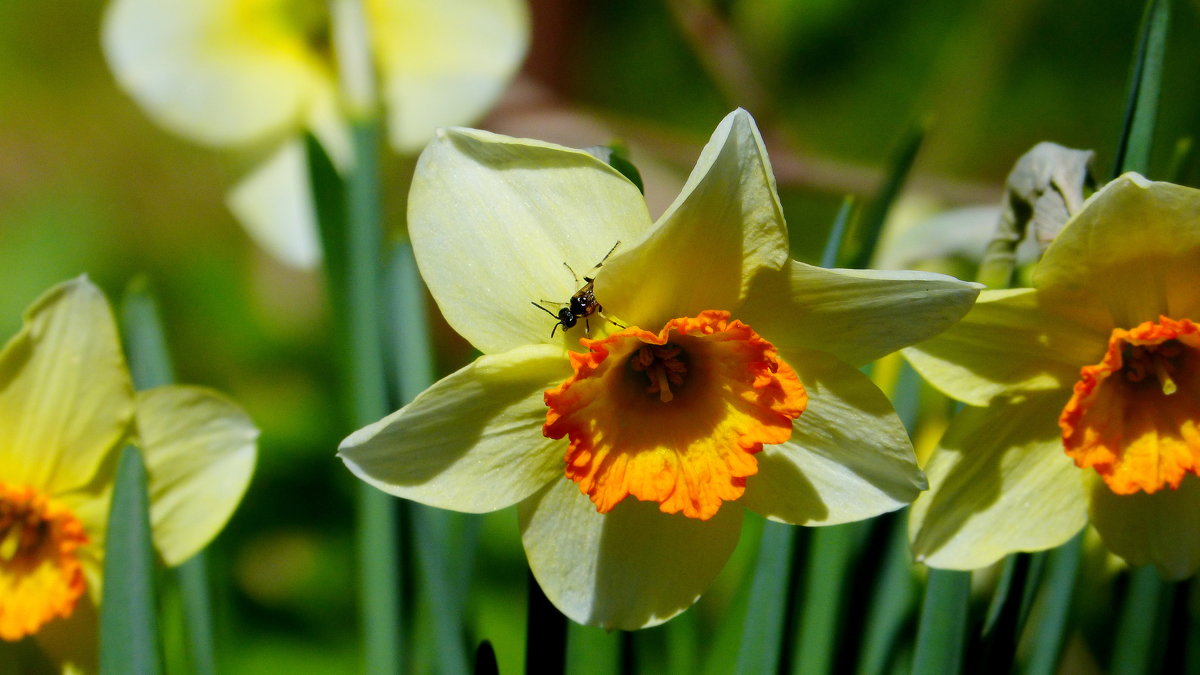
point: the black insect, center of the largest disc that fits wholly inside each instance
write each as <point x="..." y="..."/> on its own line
<point x="581" y="305"/>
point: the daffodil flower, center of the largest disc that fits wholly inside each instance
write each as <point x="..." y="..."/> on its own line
<point x="67" y="408"/>
<point x="255" y="74"/>
<point x="712" y="373"/>
<point x="1086" y="395"/>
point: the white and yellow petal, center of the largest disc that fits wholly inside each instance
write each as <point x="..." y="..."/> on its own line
<point x="222" y="72"/>
<point x="66" y="400"/>
<point x="199" y="449"/>
<point x="1012" y="342"/>
<point x="849" y="457"/>
<point x="472" y="442"/>
<point x="725" y="226"/>
<point x="631" y="568"/>
<point x="493" y="219"/>
<point x="1150" y="529"/>
<point x="999" y="483"/>
<point x="1134" y="248"/>
<point x="858" y="315"/>
<point x="444" y="63"/>
<point x="274" y="202"/>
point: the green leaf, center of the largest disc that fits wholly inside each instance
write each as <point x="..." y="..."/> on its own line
<point x="893" y="602"/>
<point x="1143" y="626"/>
<point x="762" y="634"/>
<point x="837" y="234"/>
<point x="942" y="632"/>
<point x="1049" y="633"/>
<point x="871" y="226"/>
<point x="129" y="636"/>
<point x="150" y="365"/>
<point x="1145" y="86"/>
<point x="826" y="589"/>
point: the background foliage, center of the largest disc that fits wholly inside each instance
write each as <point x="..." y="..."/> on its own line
<point x="88" y="184"/>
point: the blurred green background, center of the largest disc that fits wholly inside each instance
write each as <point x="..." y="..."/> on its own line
<point x="89" y="184"/>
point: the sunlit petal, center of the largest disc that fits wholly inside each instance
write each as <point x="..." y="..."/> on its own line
<point x="471" y="442"/>
<point x="274" y="203"/>
<point x="725" y="225"/>
<point x="493" y="220"/>
<point x="199" y="450"/>
<point x="1134" y="247"/>
<point x="858" y="315"/>
<point x="65" y="396"/>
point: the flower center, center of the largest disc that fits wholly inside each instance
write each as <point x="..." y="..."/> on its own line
<point x="1133" y="415"/>
<point x="40" y="574"/>
<point x="298" y="27"/>
<point x="674" y="417"/>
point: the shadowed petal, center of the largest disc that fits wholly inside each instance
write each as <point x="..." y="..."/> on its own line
<point x="631" y="568"/>
<point x="999" y="483"/>
<point x="1011" y="342"/>
<point x="1150" y="529"/>
<point x="849" y="457"/>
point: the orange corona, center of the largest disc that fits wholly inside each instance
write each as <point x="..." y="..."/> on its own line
<point x="674" y="417"/>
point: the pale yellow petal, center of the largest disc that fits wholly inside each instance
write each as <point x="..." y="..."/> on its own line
<point x="199" y="450"/>
<point x="1010" y="342"/>
<point x="1158" y="529"/>
<point x="444" y="63"/>
<point x="495" y="221"/>
<point x="473" y="441"/>
<point x="1134" y="248"/>
<point x="222" y="72"/>
<point x="724" y="227"/>
<point x="999" y="483"/>
<point x="631" y="568"/>
<point x="66" y="400"/>
<point x="849" y="457"/>
<point x="274" y="202"/>
<point x="858" y="315"/>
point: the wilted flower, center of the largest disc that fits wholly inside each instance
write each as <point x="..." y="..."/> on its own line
<point x="256" y="74"/>
<point x="716" y="374"/>
<point x="67" y="408"/>
<point x="1088" y="387"/>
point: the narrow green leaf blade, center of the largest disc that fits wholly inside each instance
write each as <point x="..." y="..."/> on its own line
<point x="129" y="636"/>
<point x="762" y="634"/>
<point x="893" y="602"/>
<point x="837" y="234"/>
<point x="830" y="557"/>
<point x="1145" y="87"/>
<point x="942" y="632"/>
<point x="150" y="365"/>
<point x="870" y="227"/>
<point x="1141" y="632"/>
<point x="1058" y="590"/>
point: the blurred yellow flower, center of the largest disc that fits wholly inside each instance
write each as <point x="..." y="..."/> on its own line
<point x="1101" y="359"/>
<point x="67" y="407"/>
<point x="256" y="74"/>
<point x="743" y="388"/>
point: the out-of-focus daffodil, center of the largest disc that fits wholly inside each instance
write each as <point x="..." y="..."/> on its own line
<point x="1087" y="389"/>
<point x="67" y="407"/>
<point x="716" y="373"/>
<point x="255" y="74"/>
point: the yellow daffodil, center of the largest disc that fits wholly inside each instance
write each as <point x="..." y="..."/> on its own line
<point x="257" y="73"/>
<point x="67" y="408"/>
<point x="705" y="371"/>
<point x="1088" y="395"/>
